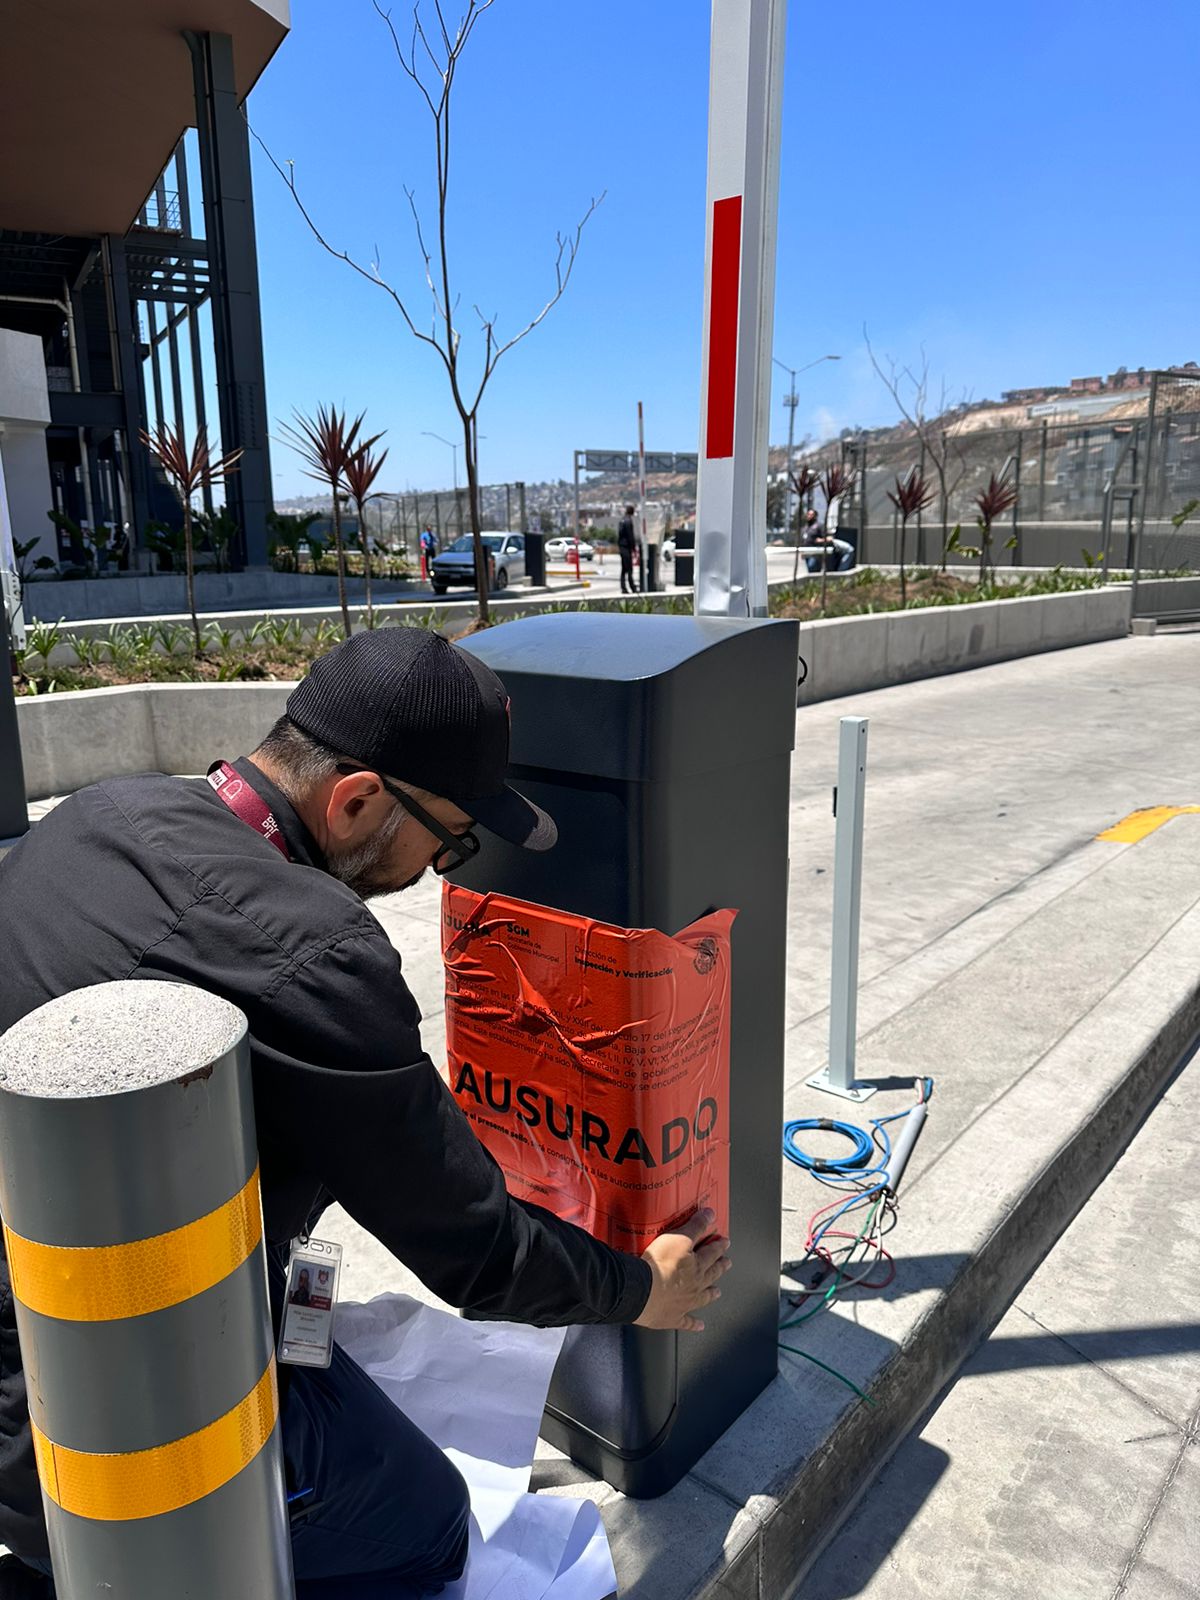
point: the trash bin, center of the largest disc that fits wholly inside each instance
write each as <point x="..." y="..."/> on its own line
<point x="685" y="558"/>
<point x="535" y="559"/>
<point x="662" y="747"/>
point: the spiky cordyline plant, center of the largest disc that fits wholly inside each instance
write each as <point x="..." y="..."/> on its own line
<point x="999" y="496"/>
<point x="836" y="480"/>
<point x="804" y="481"/>
<point x="189" y="470"/>
<point x="910" y="496"/>
<point x="326" y="442"/>
<point x="363" y="466"/>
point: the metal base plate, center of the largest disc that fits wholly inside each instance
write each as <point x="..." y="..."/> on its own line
<point x="854" y="1091"/>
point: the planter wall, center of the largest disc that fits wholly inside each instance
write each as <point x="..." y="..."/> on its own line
<point x="848" y="655"/>
<point x="166" y="594"/>
<point x="68" y="740"/>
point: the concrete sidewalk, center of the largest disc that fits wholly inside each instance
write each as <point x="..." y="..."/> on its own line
<point x="1047" y="980"/>
<point x="1064" y="1461"/>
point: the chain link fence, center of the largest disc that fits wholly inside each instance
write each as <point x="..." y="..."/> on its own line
<point x="1087" y="490"/>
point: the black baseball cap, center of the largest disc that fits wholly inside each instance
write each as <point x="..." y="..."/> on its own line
<point x="407" y="703"/>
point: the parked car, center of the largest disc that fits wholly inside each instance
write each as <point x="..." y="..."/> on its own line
<point x="667" y="549"/>
<point x="563" y="549"/>
<point x="456" y="565"/>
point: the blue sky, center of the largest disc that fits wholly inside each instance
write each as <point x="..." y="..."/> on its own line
<point x="1012" y="187"/>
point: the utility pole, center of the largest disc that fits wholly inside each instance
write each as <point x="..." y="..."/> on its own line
<point x="791" y="400"/>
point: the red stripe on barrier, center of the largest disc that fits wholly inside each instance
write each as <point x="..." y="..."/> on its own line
<point x="723" y="325"/>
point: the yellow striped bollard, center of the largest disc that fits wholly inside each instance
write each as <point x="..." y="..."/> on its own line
<point x="133" y="1228"/>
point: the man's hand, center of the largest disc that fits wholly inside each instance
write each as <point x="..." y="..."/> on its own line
<point x="686" y="1273"/>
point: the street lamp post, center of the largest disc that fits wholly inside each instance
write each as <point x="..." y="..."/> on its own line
<point x="791" y="400"/>
<point x="426" y="434"/>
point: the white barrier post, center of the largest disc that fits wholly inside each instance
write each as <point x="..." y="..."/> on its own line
<point x="849" y="796"/>
<point x="744" y="114"/>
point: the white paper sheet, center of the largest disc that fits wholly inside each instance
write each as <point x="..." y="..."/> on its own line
<point x="478" y="1389"/>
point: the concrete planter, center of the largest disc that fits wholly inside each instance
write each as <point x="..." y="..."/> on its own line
<point x="849" y="655"/>
<point x="166" y="593"/>
<point x="68" y="740"/>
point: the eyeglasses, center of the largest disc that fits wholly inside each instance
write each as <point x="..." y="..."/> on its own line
<point x="456" y="847"/>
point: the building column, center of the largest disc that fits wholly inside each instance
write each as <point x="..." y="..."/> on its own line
<point x="233" y="268"/>
<point x="127" y="363"/>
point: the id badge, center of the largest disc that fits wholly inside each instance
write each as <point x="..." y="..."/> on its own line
<point x="306" y="1335"/>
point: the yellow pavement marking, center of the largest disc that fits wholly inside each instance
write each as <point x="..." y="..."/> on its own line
<point x="1139" y="824"/>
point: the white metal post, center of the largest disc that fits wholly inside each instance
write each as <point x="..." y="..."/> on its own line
<point x="744" y="113"/>
<point x="838" y="1077"/>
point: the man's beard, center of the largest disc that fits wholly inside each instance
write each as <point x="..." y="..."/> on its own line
<point x="360" y="869"/>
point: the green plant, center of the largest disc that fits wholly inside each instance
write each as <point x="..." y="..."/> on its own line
<point x="955" y="546"/>
<point x="283" y="631"/>
<point x="230" y="671"/>
<point x="324" y="636"/>
<point x="218" y="530"/>
<point x="120" y="646"/>
<point x="190" y="469"/>
<point x="221" y="635"/>
<point x="836" y="480"/>
<point x="326" y="442"/>
<point x="171" y="635"/>
<point x="993" y="501"/>
<point x="166" y="545"/>
<point x="41" y="638"/>
<point x="143" y="641"/>
<point x="363" y="466"/>
<point x="910" y="496"/>
<point x="89" y="650"/>
<point x="1184" y="513"/>
<point x="291" y="530"/>
<point x="22" y="550"/>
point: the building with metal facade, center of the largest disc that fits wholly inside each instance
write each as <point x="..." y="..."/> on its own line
<point x="130" y="255"/>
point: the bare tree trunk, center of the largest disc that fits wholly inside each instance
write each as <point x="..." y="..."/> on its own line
<point x="362" y="539"/>
<point x="903" y="575"/>
<point x="341" y="560"/>
<point x="481" y="570"/>
<point x="190" y="564"/>
<point x="985" y="539"/>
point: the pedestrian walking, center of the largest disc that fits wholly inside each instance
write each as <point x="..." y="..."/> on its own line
<point x="626" y="545"/>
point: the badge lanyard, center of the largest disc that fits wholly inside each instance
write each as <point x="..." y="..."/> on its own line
<point x="245" y="803"/>
<point x="314" y="1265"/>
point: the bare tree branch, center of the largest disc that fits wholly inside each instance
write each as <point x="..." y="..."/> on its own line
<point x="430" y="62"/>
<point x="374" y="277"/>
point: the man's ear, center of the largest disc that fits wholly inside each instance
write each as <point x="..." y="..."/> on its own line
<point x="348" y="799"/>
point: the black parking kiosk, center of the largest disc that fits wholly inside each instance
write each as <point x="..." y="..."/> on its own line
<point x="662" y="748"/>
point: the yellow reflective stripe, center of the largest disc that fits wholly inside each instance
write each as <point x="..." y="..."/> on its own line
<point x="147" y="1483"/>
<point x="1139" y="824"/>
<point x="101" y="1283"/>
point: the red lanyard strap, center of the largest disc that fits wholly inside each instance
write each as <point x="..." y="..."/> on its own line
<point x="245" y="803"/>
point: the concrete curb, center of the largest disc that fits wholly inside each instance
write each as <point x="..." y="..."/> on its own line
<point x="830" y="1482"/>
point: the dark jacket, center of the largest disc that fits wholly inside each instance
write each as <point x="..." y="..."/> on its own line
<point x="626" y="538"/>
<point x="155" y="877"/>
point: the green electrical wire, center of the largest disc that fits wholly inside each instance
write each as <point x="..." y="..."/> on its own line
<point x="839" y="1272"/>
<point x="832" y="1371"/>
<point x="825" y="1299"/>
